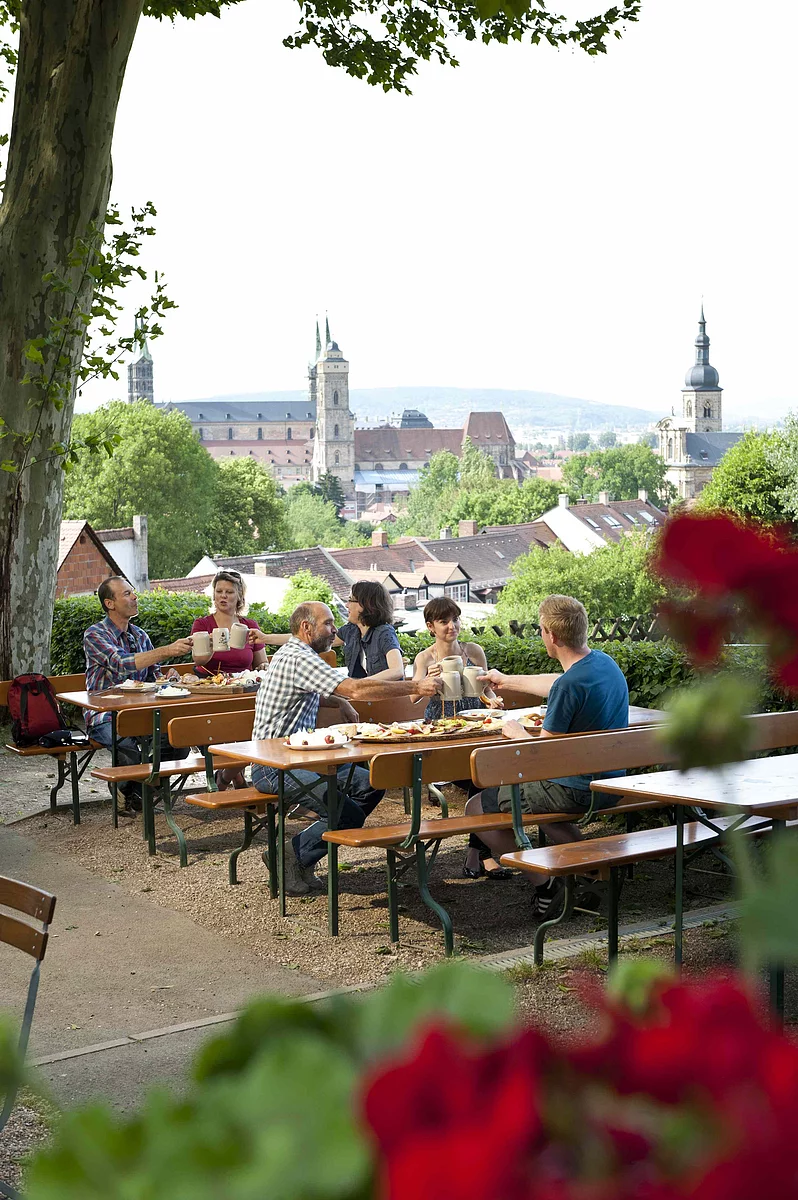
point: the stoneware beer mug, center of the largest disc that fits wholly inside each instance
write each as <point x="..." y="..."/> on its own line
<point x="452" y="685"/>
<point x="452" y="662"/>
<point x="200" y="645"/>
<point x="238" y="636"/>
<point x="221" y="640"/>
<point x="471" y="683"/>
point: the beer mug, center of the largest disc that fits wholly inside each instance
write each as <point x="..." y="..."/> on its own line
<point x="452" y="685"/>
<point x="221" y="640"/>
<point x="472" y="686"/>
<point x="200" y="644"/>
<point x="238" y="636"/>
<point x="453" y="662"/>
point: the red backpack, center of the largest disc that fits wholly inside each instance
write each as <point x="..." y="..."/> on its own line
<point x="34" y="709"/>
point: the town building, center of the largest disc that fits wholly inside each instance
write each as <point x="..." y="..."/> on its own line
<point x="301" y="440"/>
<point x="693" y="444"/>
<point x="87" y="556"/>
<point x="139" y="374"/>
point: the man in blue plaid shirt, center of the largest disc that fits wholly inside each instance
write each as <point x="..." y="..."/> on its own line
<point x="117" y="650"/>
<point x="299" y="680"/>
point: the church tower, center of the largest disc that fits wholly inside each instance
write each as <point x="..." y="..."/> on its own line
<point x="139" y="375"/>
<point x="334" y="447"/>
<point x="701" y="395"/>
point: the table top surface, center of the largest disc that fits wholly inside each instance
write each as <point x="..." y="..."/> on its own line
<point x="759" y="786"/>
<point x="273" y="752"/>
<point x="111" y="701"/>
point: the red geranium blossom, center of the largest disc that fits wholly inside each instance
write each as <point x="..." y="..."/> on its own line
<point x="715" y="553"/>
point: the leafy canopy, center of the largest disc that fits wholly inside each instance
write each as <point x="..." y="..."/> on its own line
<point x="305" y="586"/>
<point x="751" y="479"/>
<point x="310" y="520"/>
<point x="249" y="512"/>
<point x="613" y="581"/>
<point x="621" y="471"/>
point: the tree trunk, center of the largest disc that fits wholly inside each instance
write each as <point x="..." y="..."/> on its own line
<point x="72" y="60"/>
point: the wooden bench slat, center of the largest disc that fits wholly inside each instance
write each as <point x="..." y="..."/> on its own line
<point x="237" y="798"/>
<point x="22" y="936"/>
<point x="27" y="899"/>
<point x="52" y="751"/>
<point x="179" y="766"/>
<point x="618" y="850"/>
<point x="445" y="827"/>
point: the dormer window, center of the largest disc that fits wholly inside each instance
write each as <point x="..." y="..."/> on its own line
<point x="227" y="416"/>
<point x="201" y="417"/>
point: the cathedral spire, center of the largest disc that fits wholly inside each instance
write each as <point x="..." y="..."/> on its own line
<point x="327" y="338"/>
<point x="318" y="341"/>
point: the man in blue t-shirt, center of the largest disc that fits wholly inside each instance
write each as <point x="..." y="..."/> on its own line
<point x="590" y="695"/>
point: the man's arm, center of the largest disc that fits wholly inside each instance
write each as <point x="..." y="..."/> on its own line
<point x="536" y="685"/>
<point x="376" y="689"/>
<point x="149" y="658"/>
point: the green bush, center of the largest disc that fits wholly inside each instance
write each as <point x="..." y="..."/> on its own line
<point x="652" y="669"/>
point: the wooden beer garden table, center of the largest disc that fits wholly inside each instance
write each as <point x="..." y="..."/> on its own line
<point x="765" y="787"/>
<point x="273" y="752"/>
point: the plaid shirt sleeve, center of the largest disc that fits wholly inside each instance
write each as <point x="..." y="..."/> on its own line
<point x="107" y="659"/>
<point x="313" y="674"/>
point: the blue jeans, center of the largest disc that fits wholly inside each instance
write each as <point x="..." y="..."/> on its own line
<point x="354" y="804"/>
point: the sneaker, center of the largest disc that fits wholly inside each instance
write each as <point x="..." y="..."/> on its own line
<point x="547" y="903"/>
<point x="295" y="884"/>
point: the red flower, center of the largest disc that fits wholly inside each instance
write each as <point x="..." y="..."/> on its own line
<point x="714" y="553"/>
<point x="702" y="629"/>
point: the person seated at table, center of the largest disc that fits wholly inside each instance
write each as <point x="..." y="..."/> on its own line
<point x="369" y="639"/>
<point x="442" y="617"/>
<point x="288" y="700"/>
<point x="589" y="695"/>
<point x="117" y="650"/>
<point x="229" y="603"/>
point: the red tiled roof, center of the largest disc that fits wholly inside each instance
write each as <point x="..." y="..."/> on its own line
<point x="69" y="533"/>
<point x="487" y="428"/>
<point x="397" y="557"/>
<point x="403" y="445"/>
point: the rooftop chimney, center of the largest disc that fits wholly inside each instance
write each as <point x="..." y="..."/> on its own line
<point x="467" y="528"/>
<point x="642" y="494"/>
<point x="562" y="499"/>
<point x="445" y="533"/>
<point x="603" y="497"/>
<point x="379" y="537"/>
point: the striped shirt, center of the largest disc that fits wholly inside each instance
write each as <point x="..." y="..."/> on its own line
<point x="288" y="698"/>
<point x="110" y="659"/>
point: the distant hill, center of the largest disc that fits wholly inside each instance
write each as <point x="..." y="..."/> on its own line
<point x="448" y="407"/>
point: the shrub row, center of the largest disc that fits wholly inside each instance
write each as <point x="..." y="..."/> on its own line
<point x="652" y="669"/>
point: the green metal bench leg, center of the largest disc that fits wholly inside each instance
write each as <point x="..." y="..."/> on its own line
<point x="542" y="930"/>
<point x="679" y="904"/>
<point x="74" y="779"/>
<point x="59" y="783"/>
<point x="232" y="862"/>
<point x="271" y="849"/>
<point x="166" y="793"/>
<point x="393" y="897"/>
<point x="114" y="789"/>
<point x="281" y="839"/>
<point x="612" y="927"/>
<point x="438" y="909"/>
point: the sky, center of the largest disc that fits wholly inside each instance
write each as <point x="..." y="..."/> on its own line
<point x="534" y="219"/>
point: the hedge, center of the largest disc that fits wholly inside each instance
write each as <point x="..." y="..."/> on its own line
<point x="652" y="669"/>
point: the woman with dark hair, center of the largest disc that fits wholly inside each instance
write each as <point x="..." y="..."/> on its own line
<point x="371" y="646"/>
<point x="442" y="616"/>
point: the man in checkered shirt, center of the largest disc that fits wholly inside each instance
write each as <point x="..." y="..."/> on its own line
<point x="299" y="680"/>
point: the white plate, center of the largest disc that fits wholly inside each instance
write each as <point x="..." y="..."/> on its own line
<point x="333" y="746"/>
<point x="141" y="687"/>
<point x="174" y="692"/>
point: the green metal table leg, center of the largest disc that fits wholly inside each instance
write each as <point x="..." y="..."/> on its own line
<point x="393" y="898"/>
<point x="281" y="839"/>
<point x="332" y="857"/>
<point x="542" y="930"/>
<point x="271" y="849"/>
<point x="438" y="909"/>
<point x="166" y="793"/>
<point x="148" y="809"/>
<point x="114" y="790"/>
<point x="776" y="970"/>
<point x="612" y="925"/>
<point x="679" y="906"/>
<point x="232" y="862"/>
<point x="74" y="779"/>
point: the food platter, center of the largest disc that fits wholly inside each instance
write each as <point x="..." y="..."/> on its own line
<point x="444" y="729"/>
<point x="217" y="685"/>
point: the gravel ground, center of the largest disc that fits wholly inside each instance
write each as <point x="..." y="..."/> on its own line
<point x="26" y="1129"/>
<point x="488" y="916"/>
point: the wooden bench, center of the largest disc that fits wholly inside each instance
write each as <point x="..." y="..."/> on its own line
<point x="157" y="774"/>
<point x="630" y="749"/>
<point x="71" y="761"/>
<point x="204" y="730"/>
<point x="410" y="842"/>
